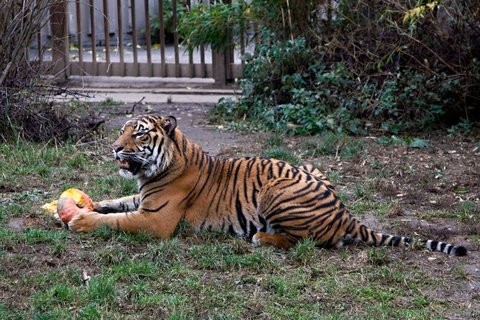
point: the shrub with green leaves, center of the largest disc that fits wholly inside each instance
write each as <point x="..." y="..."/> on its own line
<point x="284" y="87"/>
<point x="213" y="25"/>
<point x="383" y="67"/>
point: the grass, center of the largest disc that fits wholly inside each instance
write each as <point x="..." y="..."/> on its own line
<point x="192" y="276"/>
<point x="109" y="102"/>
<point x="336" y="144"/>
<point x="276" y="147"/>
<point x="467" y="211"/>
<point x="281" y="153"/>
<point x="379" y="209"/>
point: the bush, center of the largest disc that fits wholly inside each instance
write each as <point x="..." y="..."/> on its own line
<point x="378" y="66"/>
<point x="213" y="25"/>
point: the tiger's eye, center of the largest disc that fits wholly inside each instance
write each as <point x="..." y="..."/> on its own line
<point x="138" y="134"/>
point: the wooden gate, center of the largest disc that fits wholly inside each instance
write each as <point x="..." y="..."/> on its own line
<point x="127" y="38"/>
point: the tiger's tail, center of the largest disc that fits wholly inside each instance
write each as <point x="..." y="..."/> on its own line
<point x="358" y="231"/>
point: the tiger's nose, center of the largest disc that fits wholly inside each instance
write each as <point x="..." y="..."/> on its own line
<point x="117" y="148"/>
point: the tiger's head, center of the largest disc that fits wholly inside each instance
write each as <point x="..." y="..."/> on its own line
<point x="144" y="147"/>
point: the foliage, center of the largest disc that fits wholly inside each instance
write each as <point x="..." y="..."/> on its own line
<point x="222" y="24"/>
<point x="213" y="25"/>
<point x="283" y="87"/>
<point x="381" y="67"/>
<point x="463" y="127"/>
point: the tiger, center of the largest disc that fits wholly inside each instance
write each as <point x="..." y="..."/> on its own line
<point x="267" y="201"/>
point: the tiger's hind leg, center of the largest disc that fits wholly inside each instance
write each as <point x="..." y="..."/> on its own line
<point x="294" y="209"/>
<point x="279" y="240"/>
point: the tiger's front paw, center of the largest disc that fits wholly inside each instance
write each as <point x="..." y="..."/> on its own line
<point x="85" y="221"/>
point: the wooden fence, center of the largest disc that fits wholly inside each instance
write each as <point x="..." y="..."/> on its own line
<point x="112" y="38"/>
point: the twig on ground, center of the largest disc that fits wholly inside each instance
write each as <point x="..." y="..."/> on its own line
<point x="132" y="110"/>
<point x="79" y="143"/>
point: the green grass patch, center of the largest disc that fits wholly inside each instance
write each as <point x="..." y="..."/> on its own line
<point x="23" y="163"/>
<point x="335" y="177"/>
<point x="379" y="209"/>
<point x="467" y="211"/>
<point x="334" y="144"/>
<point x="35" y="236"/>
<point x="109" y="102"/>
<point x="7" y="236"/>
<point x="275" y="140"/>
<point x="112" y="186"/>
<point x="303" y="251"/>
<point x="106" y="233"/>
<point x="281" y="153"/>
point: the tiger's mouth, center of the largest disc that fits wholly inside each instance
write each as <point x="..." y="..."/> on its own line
<point x="129" y="165"/>
<point x="124" y="164"/>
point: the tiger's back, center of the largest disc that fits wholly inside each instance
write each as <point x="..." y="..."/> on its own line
<point x="225" y="194"/>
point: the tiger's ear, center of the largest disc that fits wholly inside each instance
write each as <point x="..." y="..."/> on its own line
<point x="169" y="124"/>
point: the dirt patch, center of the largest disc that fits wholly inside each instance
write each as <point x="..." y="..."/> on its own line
<point x="19" y="224"/>
<point x="8" y="188"/>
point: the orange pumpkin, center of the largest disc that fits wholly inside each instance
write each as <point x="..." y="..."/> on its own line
<point x="72" y="202"/>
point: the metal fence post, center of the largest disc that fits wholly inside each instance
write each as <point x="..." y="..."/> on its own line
<point x="60" y="52"/>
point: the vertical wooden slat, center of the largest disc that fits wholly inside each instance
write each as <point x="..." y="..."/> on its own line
<point x="203" y="67"/>
<point x="120" y="37"/>
<point x="92" y="37"/>
<point x="163" y="71"/>
<point x="175" y="39"/>
<point x="221" y="63"/>
<point x="60" y="53"/>
<point x="106" y="30"/>
<point x="191" y="69"/>
<point x="79" y="33"/>
<point x="134" y="38"/>
<point x="230" y="55"/>
<point x="148" y="42"/>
